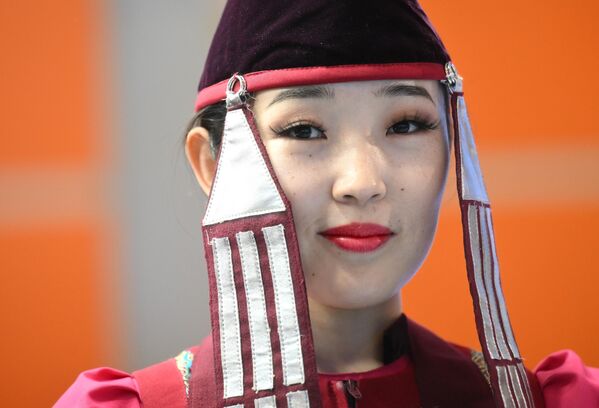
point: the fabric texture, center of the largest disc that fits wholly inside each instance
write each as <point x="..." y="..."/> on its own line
<point x="103" y="388"/>
<point x="257" y="35"/>
<point x="371" y="389"/>
<point x="421" y="368"/>
<point x="566" y="382"/>
<point x="162" y="385"/>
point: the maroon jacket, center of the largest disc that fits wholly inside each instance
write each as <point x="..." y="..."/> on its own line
<point x="446" y="375"/>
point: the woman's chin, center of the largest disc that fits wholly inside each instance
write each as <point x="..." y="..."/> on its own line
<point x="351" y="297"/>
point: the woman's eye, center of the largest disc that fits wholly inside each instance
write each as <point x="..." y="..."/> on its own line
<point x="302" y="132"/>
<point x="406" y="126"/>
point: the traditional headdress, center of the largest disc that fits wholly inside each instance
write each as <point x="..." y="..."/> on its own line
<point x="262" y="341"/>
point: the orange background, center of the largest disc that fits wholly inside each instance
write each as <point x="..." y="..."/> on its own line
<point x="54" y="231"/>
<point x="530" y="79"/>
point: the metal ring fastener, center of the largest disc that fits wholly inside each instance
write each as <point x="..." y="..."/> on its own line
<point x="452" y="77"/>
<point x="235" y="99"/>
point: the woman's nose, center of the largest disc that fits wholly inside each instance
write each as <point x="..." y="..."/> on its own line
<point x="359" y="179"/>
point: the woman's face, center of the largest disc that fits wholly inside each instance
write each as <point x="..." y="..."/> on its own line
<point x="370" y="157"/>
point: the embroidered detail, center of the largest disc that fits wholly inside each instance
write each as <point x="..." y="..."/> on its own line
<point x="184" y="361"/>
<point x="479" y="359"/>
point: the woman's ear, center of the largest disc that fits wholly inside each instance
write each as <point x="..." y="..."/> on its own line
<point x="199" y="155"/>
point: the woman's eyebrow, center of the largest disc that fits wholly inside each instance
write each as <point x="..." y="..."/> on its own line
<point x="403" y="90"/>
<point x="304" y="92"/>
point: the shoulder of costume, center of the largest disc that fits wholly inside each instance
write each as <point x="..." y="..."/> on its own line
<point x="567" y="381"/>
<point x="167" y="383"/>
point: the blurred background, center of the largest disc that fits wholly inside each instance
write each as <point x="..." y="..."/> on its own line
<point x="100" y="247"/>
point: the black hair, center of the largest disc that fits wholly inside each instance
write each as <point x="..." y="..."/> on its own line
<point x="212" y="118"/>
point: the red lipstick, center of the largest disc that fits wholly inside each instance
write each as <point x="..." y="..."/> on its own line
<point x="358" y="237"/>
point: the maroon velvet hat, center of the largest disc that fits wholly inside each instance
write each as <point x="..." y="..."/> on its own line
<point x="262" y="340"/>
<point x="271" y="37"/>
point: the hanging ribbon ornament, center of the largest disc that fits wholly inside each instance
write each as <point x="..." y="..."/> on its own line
<point x="262" y="339"/>
<point x="508" y="377"/>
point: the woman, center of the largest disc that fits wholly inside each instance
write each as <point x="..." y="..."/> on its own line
<point x="345" y="112"/>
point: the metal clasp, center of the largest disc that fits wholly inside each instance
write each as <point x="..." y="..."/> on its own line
<point x="236" y="99"/>
<point x="453" y="80"/>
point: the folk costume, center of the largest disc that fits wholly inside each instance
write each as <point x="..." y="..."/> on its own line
<point x="260" y="353"/>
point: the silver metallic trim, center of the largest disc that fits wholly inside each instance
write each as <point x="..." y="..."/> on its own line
<point x="298" y="399"/>
<point x="517" y="387"/>
<point x="488" y="276"/>
<point x="507" y="327"/>
<point x="243" y="185"/>
<point x="472" y="185"/>
<point x="483" y="302"/>
<point x="452" y="79"/>
<point x="525" y="384"/>
<point x="504" y="388"/>
<point x="236" y="99"/>
<point x="288" y="325"/>
<point x="230" y="338"/>
<point x="265" y="402"/>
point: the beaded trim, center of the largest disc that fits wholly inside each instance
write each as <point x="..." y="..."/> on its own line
<point x="479" y="359"/>
<point x="184" y="361"/>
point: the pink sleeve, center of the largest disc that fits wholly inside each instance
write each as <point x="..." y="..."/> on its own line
<point x="566" y="382"/>
<point x="101" y="388"/>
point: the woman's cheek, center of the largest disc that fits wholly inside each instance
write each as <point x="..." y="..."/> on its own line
<point x="300" y="174"/>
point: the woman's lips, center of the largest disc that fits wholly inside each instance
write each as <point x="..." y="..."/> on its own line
<point x="358" y="237"/>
